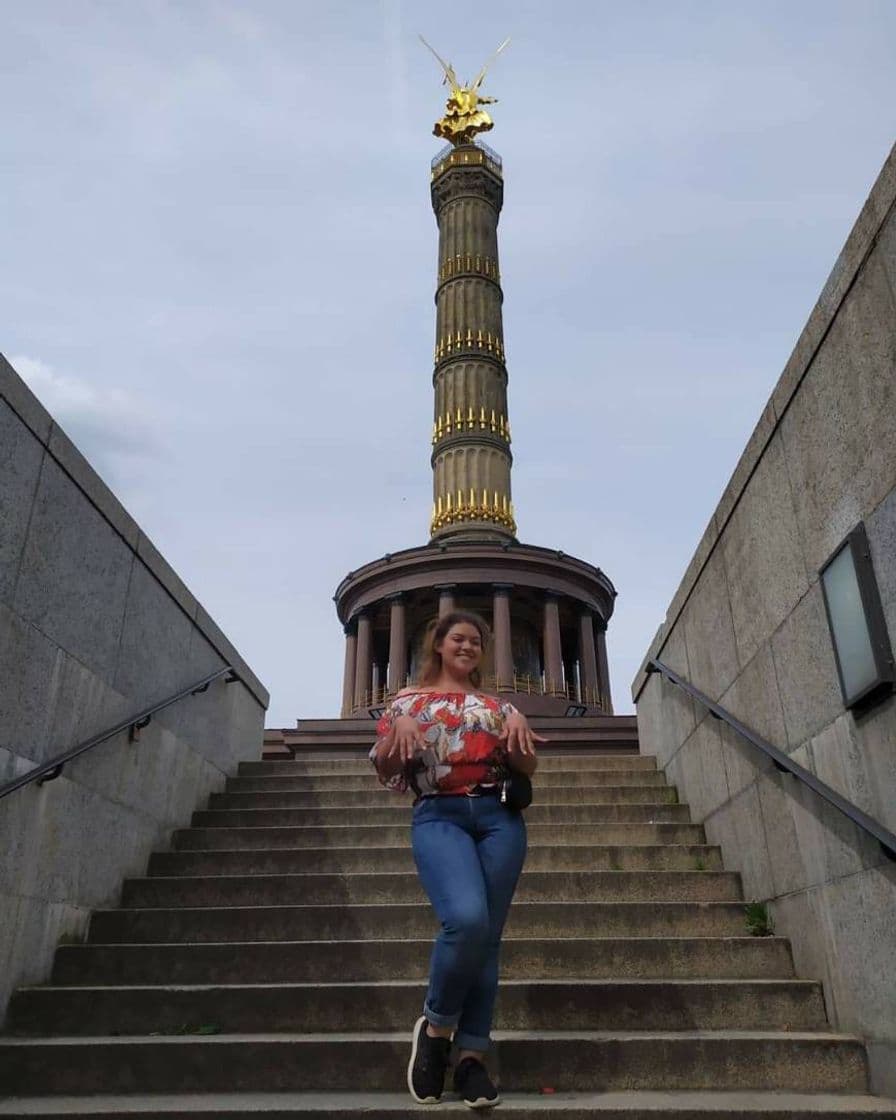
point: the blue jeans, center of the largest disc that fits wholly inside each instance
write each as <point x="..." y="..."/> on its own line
<point x="469" y="853"/>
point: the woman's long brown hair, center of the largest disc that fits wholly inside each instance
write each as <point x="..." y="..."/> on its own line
<point x="436" y="631"/>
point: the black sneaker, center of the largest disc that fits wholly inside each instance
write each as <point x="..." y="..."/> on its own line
<point x="472" y="1081"/>
<point x="426" y="1069"/>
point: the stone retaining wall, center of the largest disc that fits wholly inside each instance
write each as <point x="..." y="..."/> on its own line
<point x="747" y="627"/>
<point x="94" y="627"/>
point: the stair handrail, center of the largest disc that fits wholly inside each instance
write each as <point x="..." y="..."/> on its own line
<point x="50" y="770"/>
<point x="782" y="761"/>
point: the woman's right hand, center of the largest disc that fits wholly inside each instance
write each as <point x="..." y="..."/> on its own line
<point x="404" y="740"/>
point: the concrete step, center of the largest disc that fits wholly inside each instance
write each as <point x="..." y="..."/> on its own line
<point x="358" y="783"/>
<point x="330" y="738"/>
<point x="374" y="797"/>
<point x="534" y="886"/>
<point x="398" y="835"/>
<point x="558" y="1105"/>
<point x="393" y="809"/>
<point x="309" y="748"/>
<point x="658" y="857"/>
<point x="566" y="1060"/>
<point x="340" y="923"/>
<point x="547" y="761"/>
<point x="573" y="1004"/>
<point x="278" y="962"/>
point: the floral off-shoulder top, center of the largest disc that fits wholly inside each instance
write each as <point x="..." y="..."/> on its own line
<point x="463" y="749"/>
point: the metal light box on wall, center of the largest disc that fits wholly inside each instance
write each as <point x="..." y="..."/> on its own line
<point x="856" y="620"/>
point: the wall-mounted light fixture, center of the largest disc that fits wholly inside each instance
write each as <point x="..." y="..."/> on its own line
<point x="858" y="627"/>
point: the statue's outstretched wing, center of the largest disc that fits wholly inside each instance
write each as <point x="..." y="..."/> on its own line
<point x="450" y="76"/>
<point x="476" y="84"/>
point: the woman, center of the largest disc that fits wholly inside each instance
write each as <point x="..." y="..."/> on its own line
<point x="453" y="745"/>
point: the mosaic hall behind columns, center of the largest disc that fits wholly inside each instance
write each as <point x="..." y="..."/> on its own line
<point x="548" y="611"/>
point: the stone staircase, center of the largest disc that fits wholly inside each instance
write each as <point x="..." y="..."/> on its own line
<point x="273" y="962"/>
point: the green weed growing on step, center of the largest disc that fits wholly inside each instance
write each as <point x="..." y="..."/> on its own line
<point x="759" y="920"/>
<point x="699" y="863"/>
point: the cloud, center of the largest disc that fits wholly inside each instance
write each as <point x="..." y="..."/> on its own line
<point x="107" y="424"/>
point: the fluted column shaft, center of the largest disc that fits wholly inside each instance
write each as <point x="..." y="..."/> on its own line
<point x="603" y="668"/>
<point x="348" y="672"/>
<point x="446" y="599"/>
<point x="363" y="660"/>
<point x="502" y="636"/>
<point x="588" y="657"/>
<point x="398" y="656"/>
<point x="553" y="654"/>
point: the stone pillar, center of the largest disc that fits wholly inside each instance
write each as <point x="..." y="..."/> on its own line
<point x="503" y="647"/>
<point x="348" y="673"/>
<point x="553" y="654"/>
<point x="446" y="598"/>
<point x="363" y="659"/>
<point x="569" y="675"/>
<point x="588" y="658"/>
<point x="603" y="667"/>
<point x="398" y="644"/>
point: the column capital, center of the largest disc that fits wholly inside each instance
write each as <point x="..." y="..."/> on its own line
<point x="350" y="627"/>
<point x="396" y="596"/>
<point x="551" y="595"/>
<point x="502" y="588"/>
<point x="600" y="623"/>
<point x="440" y="587"/>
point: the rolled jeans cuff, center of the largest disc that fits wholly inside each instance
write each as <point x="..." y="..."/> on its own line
<point x="440" y="1020"/>
<point x="464" y="1041"/>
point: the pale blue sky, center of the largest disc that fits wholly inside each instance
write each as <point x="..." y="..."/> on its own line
<point x="218" y="263"/>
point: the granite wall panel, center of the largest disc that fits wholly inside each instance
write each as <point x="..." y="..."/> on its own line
<point x="881" y="529"/>
<point x="21" y="457"/>
<point x="94" y="627"/>
<point x="74" y="574"/>
<point x="709" y="631"/>
<point x="805" y="670"/>
<point x="821" y="459"/>
<point x="839" y="432"/>
<point x="763" y="554"/>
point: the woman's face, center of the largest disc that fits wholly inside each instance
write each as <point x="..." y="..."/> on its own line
<point x="461" y="649"/>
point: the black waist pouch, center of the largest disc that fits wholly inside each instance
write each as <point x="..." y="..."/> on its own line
<point x="516" y="791"/>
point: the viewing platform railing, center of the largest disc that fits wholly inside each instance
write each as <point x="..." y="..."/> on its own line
<point x="451" y="156"/>
<point x="521" y="684"/>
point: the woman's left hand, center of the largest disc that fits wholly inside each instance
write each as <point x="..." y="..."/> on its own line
<point x="519" y="736"/>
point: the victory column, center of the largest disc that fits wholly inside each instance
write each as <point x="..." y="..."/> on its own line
<point x="548" y="611"/>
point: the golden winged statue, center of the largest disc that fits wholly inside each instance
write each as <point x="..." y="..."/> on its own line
<point x="463" y="118"/>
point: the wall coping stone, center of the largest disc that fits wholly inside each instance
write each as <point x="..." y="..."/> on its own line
<point x="856" y="250"/>
<point x="58" y="445"/>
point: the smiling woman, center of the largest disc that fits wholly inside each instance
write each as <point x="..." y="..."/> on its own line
<point x="453" y="745"/>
